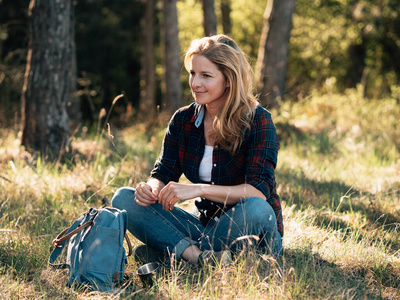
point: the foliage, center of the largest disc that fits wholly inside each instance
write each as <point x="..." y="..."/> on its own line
<point x="108" y="52"/>
<point x="335" y="45"/>
<point x="247" y="17"/>
<point x="13" y="52"/>
<point x="339" y="44"/>
<point x="338" y="176"/>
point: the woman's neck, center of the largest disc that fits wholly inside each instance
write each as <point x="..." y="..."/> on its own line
<point x="211" y="112"/>
<point x="209" y="132"/>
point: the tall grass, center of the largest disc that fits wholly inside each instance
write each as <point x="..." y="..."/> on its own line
<point x="338" y="177"/>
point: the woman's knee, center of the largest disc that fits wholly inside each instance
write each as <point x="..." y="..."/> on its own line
<point x="259" y="212"/>
<point x="262" y="216"/>
<point x="122" y="197"/>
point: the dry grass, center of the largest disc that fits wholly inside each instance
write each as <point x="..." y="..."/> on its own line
<point x="338" y="176"/>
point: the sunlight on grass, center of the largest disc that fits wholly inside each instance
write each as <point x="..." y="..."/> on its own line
<point x="338" y="176"/>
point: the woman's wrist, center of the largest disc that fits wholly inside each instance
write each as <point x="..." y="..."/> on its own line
<point x="202" y="190"/>
<point x="155" y="184"/>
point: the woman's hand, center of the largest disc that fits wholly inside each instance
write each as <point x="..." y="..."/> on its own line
<point x="145" y="194"/>
<point x="174" y="192"/>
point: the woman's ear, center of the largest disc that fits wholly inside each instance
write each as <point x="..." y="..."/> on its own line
<point x="227" y="84"/>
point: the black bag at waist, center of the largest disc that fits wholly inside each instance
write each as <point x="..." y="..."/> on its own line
<point x="210" y="210"/>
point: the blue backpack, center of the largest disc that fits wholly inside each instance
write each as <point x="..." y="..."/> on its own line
<point x="95" y="256"/>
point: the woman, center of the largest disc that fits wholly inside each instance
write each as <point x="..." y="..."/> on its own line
<point x="225" y="143"/>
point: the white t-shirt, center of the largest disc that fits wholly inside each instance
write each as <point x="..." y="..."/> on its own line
<point x="206" y="164"/>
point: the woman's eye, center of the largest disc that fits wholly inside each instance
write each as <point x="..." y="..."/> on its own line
<point x="206" y="75"/>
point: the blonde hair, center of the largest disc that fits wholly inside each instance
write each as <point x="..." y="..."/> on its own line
<point x="235" y="116"/>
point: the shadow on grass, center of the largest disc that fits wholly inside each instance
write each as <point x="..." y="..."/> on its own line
<point x="314" y="277"/>
<point x="370" y="232"/>
<point x="325" y="198"/>
<point x="298" y="189"/>
<point x="18" y="260"/>
<point x="304" y="275"/>
<point x="299" y="274"/>
<point x="319" y="139"/>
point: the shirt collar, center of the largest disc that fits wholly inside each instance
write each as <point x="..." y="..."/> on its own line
<point x="200" y="116"/>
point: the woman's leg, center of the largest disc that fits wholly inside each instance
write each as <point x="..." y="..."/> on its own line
<point x="252" y="216"/>
<point x="171" y="231"/>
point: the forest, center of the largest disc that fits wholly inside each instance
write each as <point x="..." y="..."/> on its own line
<point x="334" y="45"/>
<point x="87" y="88"/>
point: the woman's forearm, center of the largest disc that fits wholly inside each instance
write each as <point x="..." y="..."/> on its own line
<point x="174" y="192"/>
<point x="229" y="194"/>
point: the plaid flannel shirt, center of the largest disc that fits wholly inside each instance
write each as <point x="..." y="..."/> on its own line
<point x="254" y="163"/>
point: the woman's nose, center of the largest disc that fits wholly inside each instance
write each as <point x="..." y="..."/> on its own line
<point x="195" y="81"/>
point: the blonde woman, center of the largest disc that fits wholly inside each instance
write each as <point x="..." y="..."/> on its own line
<point x="225" y="143"/>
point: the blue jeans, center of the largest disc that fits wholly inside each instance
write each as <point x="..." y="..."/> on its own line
<point x="173" y="231"/>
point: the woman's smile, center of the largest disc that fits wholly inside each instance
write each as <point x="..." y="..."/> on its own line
<point x="207" y="82"/>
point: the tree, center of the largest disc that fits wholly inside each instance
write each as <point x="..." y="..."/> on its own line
<point x="73" y="104"/>
<point x="225" y="7"/>
<point x="172" y="88"/>
<point x="109" y="52"/>
<point x="13" y="48"/>
<point x="209" y="20"/>
<point x="46" y="87"/>
<point x="148" y="83"/>
<point x="273" y="51"/>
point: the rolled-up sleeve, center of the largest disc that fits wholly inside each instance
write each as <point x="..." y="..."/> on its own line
<point x="262" y="154"/>
<point x="261" y="159"/>
<point x="167" y="167"/>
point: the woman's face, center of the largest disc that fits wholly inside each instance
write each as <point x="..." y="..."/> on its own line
<point x="208" y="84"/>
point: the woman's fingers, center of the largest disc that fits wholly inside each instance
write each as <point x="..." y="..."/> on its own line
<point x="144" y="195"/>
<point x="171" y="203"/>
<point x="164" y="196"/>
<point x="169" y="195"/>
<point x="174" y="192"/>
<point x="147" y="192"/>
<point x="165" y="202"/>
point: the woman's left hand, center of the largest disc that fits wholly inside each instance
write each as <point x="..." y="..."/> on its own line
<point x="174" y="192"/>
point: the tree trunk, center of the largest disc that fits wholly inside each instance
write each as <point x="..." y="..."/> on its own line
<point x="226" y="16"/>
<point x="45" y="123"/>
<point x="147" y="106"/>
<point x="210" y="20"/>
<point x="73" y="104"/>
<point x="273" y="51"/>
<point x="172" y="88"/>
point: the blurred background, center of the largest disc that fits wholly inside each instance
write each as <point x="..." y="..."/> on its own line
<point x="334" y="45"/>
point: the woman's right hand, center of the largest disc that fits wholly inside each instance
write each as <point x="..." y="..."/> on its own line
<point x="145" y="194"/>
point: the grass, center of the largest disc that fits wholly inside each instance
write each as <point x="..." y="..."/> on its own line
<point x="338" y="177"/>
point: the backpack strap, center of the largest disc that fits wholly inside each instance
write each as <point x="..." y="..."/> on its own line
<point x="128" y="242"/>
<point x="61" y="239"/>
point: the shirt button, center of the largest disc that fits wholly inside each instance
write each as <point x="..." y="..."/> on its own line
<point x="213" y="182"/>
<point x="216" y="147"/>
<point x="215" y="165"/>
